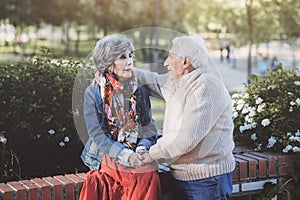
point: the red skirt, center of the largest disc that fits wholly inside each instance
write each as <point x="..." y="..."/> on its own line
<point x="117" y="182"/>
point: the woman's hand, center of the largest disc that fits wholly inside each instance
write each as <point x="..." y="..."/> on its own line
<point x="135" y="160"/>
<point x="146" y="158"/>
<point x="141" y="150"/>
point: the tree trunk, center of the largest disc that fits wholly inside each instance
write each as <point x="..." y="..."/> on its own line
<point x="154" y="62"/>
<point x="248" y="4"/>
<point x="67" y="38"/>
<point x="35" y="49"/>
<point x="77" y="41"/>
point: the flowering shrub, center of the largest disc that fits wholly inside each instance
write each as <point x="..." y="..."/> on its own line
<point x="36" y="119"/>
<point x="267" y="114"/>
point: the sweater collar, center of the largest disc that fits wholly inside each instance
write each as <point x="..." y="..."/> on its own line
<point x="190" y="77"/>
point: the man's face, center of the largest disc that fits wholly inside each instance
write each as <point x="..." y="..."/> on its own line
<point x="174" y="63"/>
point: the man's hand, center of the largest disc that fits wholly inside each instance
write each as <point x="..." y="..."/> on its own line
<point x="135" y="160"/>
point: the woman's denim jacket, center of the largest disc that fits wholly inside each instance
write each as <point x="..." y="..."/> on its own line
<point x="99" y="141"/>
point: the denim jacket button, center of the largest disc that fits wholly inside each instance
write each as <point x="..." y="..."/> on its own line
<point x="94" y="162"/>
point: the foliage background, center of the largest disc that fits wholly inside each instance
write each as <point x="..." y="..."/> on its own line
<point x="37" y="118"/>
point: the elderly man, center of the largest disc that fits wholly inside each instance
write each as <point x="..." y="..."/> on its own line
<point x="197" y="139"/>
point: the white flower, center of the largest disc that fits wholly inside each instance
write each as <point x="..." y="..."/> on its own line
<point x="259" y="100"/>
<point x="265" y="122"/>
<point x="242" y="128"/>
<point x="291" y="109"/>
<point x="298" y="101"/>
<point x="296" y="149"/>
<point x="252" y="113"/>
<point x="239" y="107"/>
<point x="290" y="93"/>
<point x="240" y="103"/>
<point x="3" y="139"/>
<point x="292" y="103"/>
<point x="235" y="114"/>
<point x="235" y="95"/>
<point x="253" y="137"/>
<point x="51" y="132"/>
<point x="271" y="87"/>
<point x="289" y="134"/>
<point x="66" y="139"/>
<point x="287" y="148"/>
<point x="297" y="133"/>
<point x="247" y="127"/>
<point x="246" y="95"/>
<point x="248" y="119"/>
<point x="254" y="124"/>
<point x="297" y="82"/>
<point x="233" y="103"/>
<point x="258" y="147"/>
<point x="271" y="142"/>
<point x="76" y="112"/>
<point x="245" y="110"/>
<point x="293" y="138"/>
<point x="61" y="144"/>
<point x="261" y="107"/>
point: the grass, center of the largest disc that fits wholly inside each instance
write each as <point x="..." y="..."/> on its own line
<point x="158" y="111"/>
<point x="57" y="47"/>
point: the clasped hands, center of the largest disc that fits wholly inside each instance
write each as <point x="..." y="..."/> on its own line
<point x="140" y="158"/>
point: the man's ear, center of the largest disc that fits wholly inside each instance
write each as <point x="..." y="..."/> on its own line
<point x="187" y="61"/>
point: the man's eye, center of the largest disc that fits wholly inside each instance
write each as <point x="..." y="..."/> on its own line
<point x="123" y="57"/>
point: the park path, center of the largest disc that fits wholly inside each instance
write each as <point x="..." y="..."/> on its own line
<point x="234" y="73"/>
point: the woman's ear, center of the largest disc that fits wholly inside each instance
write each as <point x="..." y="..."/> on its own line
<point x="111" y="69"/>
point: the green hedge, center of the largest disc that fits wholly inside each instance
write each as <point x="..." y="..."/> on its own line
<point x="37" y="129"/>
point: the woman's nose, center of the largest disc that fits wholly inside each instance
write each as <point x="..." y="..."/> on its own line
<point x="129" y="61"/>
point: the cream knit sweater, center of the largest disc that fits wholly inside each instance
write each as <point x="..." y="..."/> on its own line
<point x="197" y="139"/>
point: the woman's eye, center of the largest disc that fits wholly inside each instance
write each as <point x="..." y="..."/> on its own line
<point x="123" y="57"/>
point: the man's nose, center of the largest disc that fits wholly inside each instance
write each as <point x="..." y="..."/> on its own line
<point x="166" y="63"/>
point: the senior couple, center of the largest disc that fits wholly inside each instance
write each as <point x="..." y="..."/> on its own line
<point x="123" y="149"/>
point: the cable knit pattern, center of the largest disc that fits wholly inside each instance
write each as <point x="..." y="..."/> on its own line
<point x="197" y="137"/>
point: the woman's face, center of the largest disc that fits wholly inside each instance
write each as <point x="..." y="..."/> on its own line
<point x="123" y="66"/>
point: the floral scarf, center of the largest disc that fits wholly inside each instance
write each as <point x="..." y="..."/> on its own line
<point x="119" y="105"/>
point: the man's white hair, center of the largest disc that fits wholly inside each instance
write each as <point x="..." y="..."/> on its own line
<point x="192" y="46"/>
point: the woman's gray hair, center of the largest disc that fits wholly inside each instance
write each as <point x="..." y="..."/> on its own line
<point x="192" y="46"/>
<point x="109" y="48"/>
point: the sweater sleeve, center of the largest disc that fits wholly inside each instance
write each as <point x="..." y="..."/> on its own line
<point x="152" y="81"/>
<point x="200" y="111"/>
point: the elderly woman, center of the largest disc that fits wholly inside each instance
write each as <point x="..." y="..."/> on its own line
<point x="119" y="121"/>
